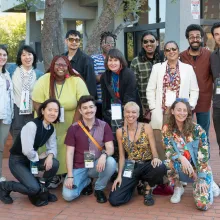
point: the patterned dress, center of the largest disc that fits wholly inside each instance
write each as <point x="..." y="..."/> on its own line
<point x="202" y="200"/>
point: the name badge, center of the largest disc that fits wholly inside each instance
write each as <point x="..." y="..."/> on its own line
<point x="129" y="168"/>
<point x="116" y="111"/>
<point x="217" y="84"/>
<point x="62" y="114"/>
<point x="25" y="103"/>
<point x="170" y="97"/>
<point x="89" y="159"/>
<point x="34" y="168"/>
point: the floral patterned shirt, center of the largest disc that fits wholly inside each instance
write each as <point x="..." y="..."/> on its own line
<point x="203" y="149"/>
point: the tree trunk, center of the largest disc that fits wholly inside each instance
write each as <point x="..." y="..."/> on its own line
<point x="51" y="38"/>
<point x="109" y="11"/>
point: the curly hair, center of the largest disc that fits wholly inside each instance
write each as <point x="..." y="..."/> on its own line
<point x="188" y="126"/>
<point x="53" y="74"/>
<point x="104" y="35"/>
<point x="194" y="27"/>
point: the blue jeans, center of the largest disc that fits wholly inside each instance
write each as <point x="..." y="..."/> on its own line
<point x="82" y="179"/>
<point x="203" y="119"/>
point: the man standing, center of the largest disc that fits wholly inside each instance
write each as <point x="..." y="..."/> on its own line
<point x="107" y="42"/>
<point x="89" y="149"/>
<point x="199" y="58"/>
<point x="80" y="62"/>
<point x="215" y="66"/>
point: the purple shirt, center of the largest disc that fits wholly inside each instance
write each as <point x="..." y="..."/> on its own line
<point x="77" y="138"/>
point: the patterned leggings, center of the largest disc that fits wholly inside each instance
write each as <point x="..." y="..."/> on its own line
<point x="202" y="200"/>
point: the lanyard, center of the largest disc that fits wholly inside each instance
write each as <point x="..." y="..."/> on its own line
<point x="58" y="95"/>
<point x="134" y="135"/>
<point x="172" y="76"/>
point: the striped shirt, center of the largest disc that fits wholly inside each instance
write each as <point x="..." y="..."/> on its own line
<point x="99" y="68"/>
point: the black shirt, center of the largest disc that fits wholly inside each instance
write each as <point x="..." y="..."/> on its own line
<point x="83" y="64"/>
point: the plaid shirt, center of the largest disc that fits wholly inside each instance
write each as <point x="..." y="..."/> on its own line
<point x="142" y="72"/>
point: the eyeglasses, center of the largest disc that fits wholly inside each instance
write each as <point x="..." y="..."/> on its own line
<point x="182" y="100"/>
<point x="61" y="65"/>
<point x="71" y="40"/>
<point x="171" y="49"/>
<point x="149" y="41"/>
<point x="195" y="38"/>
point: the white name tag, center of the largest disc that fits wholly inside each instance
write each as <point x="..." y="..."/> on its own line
<point x="170" y="98"/>
<point x="129" y="168"/>
<point x="116" y="111"/>
<point x="25" y="100"/>
<point x="62" y="114"/>
<point x="89" y="159"/>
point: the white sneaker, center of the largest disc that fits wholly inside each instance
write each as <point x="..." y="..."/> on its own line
<point x="2" y="179"/>
<point x="178" y="192"/>
<point x="183" y="183"/>
<point x="215" y="189"/>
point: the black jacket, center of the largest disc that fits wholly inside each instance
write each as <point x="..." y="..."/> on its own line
<point x="83" y="64"/>
<point x="127" y="90"/>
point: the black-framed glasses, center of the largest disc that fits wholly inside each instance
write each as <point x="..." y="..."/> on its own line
<point x="171" y="49"/>
<point x="149" y="41"/>
<point x="182" y="100"/>
<point x="61" y="65"/>
<point x="195" y="38"/>
<point x="71" y="40"/>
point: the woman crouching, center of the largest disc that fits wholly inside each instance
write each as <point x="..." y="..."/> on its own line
<point x="187" y="155"/>
<point x="24" y="161"/>
<point x="137" y="140"/>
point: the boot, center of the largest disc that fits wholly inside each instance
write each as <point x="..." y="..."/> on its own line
<point x="5" y="192"/>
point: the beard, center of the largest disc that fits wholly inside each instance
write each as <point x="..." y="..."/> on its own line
<point x="196" y="48"/>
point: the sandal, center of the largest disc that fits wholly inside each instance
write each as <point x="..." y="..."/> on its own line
<point x="148" y="198"/>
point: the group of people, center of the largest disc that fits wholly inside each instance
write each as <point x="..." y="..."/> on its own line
<point x="85" y="114"/>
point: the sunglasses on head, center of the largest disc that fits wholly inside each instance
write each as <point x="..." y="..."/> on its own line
<point x="71" y="40"/>
<point x="147" y="41"/>
<point x="182" y="100"/>
<point x="170" y="49"/>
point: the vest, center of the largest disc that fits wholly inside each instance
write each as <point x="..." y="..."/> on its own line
<point x="41" y="137"/>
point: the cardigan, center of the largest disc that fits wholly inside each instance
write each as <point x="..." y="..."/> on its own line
<point x="127" y="90"/>
<point x="188" y="89"/>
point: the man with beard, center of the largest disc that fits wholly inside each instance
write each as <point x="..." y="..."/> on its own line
<point x="107" y="42"/>
<point x="198" y="57"/>
<point x="80" y="62"/>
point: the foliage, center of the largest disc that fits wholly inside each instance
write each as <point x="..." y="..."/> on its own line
<point x="26" y="4"/>
<point x="13" y="31"/>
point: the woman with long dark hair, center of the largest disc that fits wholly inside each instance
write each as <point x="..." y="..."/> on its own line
<point x="7" y="104"/>
<point x="67" y="87"/>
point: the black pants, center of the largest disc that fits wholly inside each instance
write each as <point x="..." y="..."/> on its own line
<point x="216" y="121"/>
<point x="20" y="168"/>
<point x="144" y="172"/>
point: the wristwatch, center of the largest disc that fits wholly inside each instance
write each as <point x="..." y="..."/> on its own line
<point x="104" y="152"/>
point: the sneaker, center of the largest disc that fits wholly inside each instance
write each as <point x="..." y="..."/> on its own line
<point x="184" y="184"/>
<point x="5" y="195"/>
<point x="178" y="192"/>
<point x="215" y="189"/>
<point x="100" y="196"/>
<point x="55" y="182"/>
<point x="2" y="179"/>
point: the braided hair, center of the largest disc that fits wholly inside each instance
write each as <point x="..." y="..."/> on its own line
<point x="104" y="36"/>
<point x="53" y="74"/>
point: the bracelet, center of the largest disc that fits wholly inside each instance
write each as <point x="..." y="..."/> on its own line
<point x="70" y="177"/>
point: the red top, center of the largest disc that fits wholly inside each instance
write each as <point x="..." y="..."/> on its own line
<point x="202" y="69"/>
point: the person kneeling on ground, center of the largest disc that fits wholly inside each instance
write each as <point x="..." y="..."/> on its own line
<point x="187" y="155"/>
<point x="89" y="148"/>
<point x="24" y="161"/>
<point x="143" y="164"/>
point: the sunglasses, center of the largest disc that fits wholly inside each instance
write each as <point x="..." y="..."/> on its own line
<point x="61" y="65"/>
<point x="149" y="41"/>
<point x="171" y="49"/>
<point x="71" y="40"/>
<point x="182" y="100"/>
